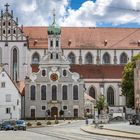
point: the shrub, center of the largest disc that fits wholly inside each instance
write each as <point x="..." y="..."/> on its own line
<point x="29" y="124"/>
<point x="56" y="122"/>
<point x="38" y="123"/>
<point x="49" y="123"/>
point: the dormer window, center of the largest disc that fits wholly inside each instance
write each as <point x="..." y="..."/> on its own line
<point x="51" y="43"/>
<point x="57" y="43"/>
<point x="9" y="23"/>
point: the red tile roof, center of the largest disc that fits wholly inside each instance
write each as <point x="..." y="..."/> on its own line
<point x="98" y="71"/>
<point x="86" y="37"/>
<point x="94" y="71"/>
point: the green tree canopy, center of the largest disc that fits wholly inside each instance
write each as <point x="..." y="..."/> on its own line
<point x="127" y="83"/>
<point x="101" y="103"/>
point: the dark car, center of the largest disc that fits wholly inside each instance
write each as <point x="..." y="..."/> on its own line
<point x="20" y="125"/>
<point x="8" y="125"/>
<point x="135" y="119"/>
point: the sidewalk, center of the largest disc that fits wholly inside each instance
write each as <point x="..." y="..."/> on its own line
<point x="111" y="131"/>
<point x="44" y="123"/>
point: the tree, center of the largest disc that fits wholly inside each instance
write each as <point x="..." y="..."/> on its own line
<point x="127" y="83"/>
<point x="61" y="112"/>
<point x="101" y="103"/>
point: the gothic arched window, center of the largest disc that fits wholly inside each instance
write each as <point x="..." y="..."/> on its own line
<point x="123" y="58"/>
<point x="106" y="58"/>
<point x="15" y="64"/>
<point x="54" y="92"/>
<point x="88" y="58"/>
<point x="71" y="58"/>
<point x="75" y="92"/>
<point x="32" y="95"/>
<point x="110" y="96"/>
<point x="64" y="92"/>
<point x="35" y="58"/>
<point x="43" y="92"/>
<point x="92" y="92"/>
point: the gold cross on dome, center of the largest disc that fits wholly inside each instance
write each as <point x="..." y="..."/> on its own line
<point x="6" y="5"/>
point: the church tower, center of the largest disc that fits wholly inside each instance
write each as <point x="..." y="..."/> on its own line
<point x="54" y="42"/>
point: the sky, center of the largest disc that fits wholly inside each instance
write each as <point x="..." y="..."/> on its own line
<point x="76" y="13"/>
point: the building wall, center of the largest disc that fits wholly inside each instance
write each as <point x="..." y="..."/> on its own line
<point x="14" y="104"/>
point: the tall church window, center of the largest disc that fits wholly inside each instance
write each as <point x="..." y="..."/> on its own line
<point x="56" y="55"/>
<point x="57" y="43"/>
<point x="54" y="92"/>
<point x="15" y="64"/>
<point x="71" y="58"/>
<point x="110" y="96"/>
<point x="0" y="55"/>
<point x="33" y="91"/>
<point x="123" y="58"/>
<point x="43" y="92"/>
<point x="51" y="43"/>
<point x="75" y="92"/>
<point x="64" y="94"/>
<point x="35" y="58"/>
<point x="92" y="92"/>
<point x="106" y="58"/>
<point x="88" y="58"/>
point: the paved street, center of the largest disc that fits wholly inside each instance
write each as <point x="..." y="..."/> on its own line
<point x="63" y="132"/>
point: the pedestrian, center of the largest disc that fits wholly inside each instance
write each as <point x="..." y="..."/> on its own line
<point x="86" y="121"/>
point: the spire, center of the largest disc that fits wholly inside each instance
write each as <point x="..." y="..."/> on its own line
<point x="53" y="15"/>
<point x="6" y="6"/>
<point x="54" y="28"/>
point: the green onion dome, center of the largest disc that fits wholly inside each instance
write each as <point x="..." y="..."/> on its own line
<point x="54" y="29"/>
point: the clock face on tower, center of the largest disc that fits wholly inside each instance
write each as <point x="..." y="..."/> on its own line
<point x="54" y="77"/>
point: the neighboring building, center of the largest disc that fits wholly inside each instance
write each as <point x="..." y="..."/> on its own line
<point x="54" y="87"/>
<point x="89" y="105"/>
<point x="137" y="86"/>
<point x="10" y="98"/>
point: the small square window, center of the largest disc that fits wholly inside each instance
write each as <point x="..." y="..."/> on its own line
<point x="3" y="84"/>
<point x="25" y="44"/>
<point x="64" y="107"/>
<point x="8" y="98"/>
<point x="43" y="107"/>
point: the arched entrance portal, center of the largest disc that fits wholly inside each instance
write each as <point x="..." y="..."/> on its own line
<point x="54" y="111"/>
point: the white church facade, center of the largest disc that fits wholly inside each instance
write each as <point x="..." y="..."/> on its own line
<point x="97" y="54"/>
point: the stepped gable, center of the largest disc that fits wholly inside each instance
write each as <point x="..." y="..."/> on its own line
<point x="86" y="38"/>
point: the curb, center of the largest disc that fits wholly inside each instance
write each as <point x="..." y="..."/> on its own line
<point x="128" y="132"/>
<point x="129" y="137"/>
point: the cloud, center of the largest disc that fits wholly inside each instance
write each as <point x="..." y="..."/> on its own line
<point x="39" y="12"/>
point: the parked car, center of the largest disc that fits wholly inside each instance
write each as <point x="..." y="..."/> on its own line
<point x="20" y="125"/>
<point x="135" y="119"/>
<point x="8" y="125"/>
